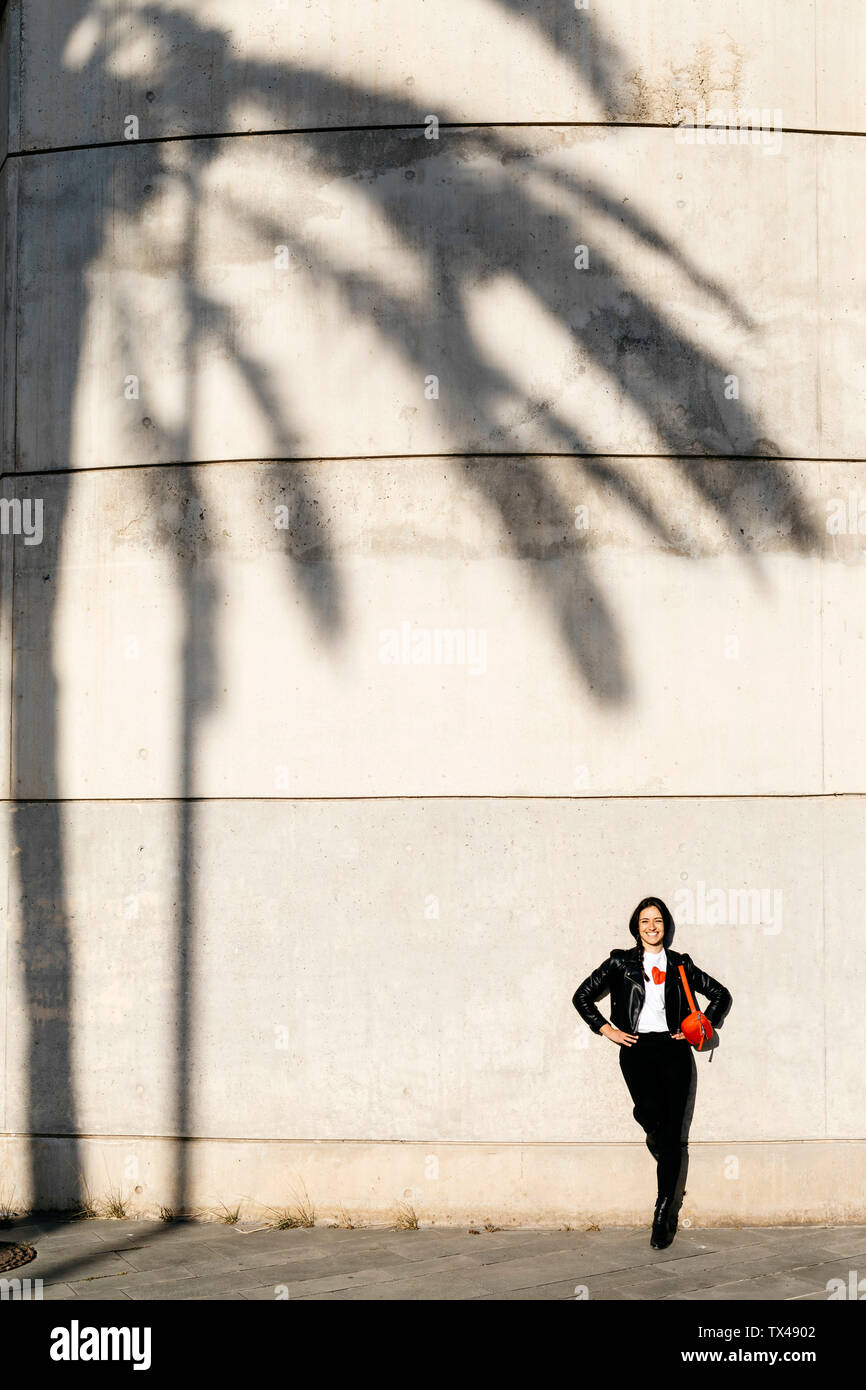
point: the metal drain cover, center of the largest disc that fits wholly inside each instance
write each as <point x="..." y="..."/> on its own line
<point x="11" y="1256"/>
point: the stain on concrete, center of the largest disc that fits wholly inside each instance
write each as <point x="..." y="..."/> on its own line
<point x="712" y="76"/>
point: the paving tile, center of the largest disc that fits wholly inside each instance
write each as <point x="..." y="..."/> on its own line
<point x="636" y="1251"/>
<point x="637" y="1282"/>
<point x="795" y="1238"/>
<point x="338" y="1235"/>
<point x="192" y="1231"/>
<point x="266" y="1293"/>
<point x="822" y="1271"/>
<point x="217" y="1298"/>
<point x="232" y="1281"/>
<point x="727" y="1238"/>
<point x="240" y="1254"/>
<point x="367" y="1254"/>
<point x="36" y="1234"/>
<point x="99" y="1294"/>
<point x="591" y="1252"/>
<point x="695" y="1281"/>
<point x="277" y="1245"/>
<point x="68" y="1271"/>
<point x="336" y="1284"/>
<point x="142" y="1282"/>
<point x="549" y="1293"/>
<point x="801" y="1253"/>
<point x="116" y="1232"/>
<point x="178" y="1232"/>
<point x="717" y="1263"/>
<point x="796" y="1250"/>
<point x="820" y="1268"/>
<point x="460" y="1265"/>
<point x="66" y="1243"/>
<point x="564" y="1292"/>
<point x="226" y="1235"/>
<point x="299" y="1271"/>
<point x="195" y="1257"/>
<point x="318" y="1265"/>
<point x="442" y="1289"/>
<point x="542" y="1269"/>
<point x="488" y="1250"/>
<point x="845" y="1243"/>
<point x="181" y="1289"/>
<point x="770" y="1286"/>
<point x="731" y="1235"/>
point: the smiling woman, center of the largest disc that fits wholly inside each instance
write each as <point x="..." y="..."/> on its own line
<point x="649" y="988"/>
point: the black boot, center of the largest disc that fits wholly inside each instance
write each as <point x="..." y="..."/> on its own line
<point x="672" y="1214"/>
<point x="662" y="1234"/>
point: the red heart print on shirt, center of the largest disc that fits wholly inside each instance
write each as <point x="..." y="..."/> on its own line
<point x="658" y="975"/>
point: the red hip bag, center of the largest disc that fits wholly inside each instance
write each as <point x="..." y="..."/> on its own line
<point x="695" y="1026"/>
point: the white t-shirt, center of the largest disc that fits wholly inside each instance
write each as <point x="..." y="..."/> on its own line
<point x="652" y="1016"/>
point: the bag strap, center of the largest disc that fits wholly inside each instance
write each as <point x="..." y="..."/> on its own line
<point x="692" y="1004"/>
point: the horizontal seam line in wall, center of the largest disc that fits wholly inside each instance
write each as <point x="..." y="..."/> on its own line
<point x="403" y="1143"/>
<point x="436" y="796"/>
<point x="466" y="454"/>
<point x="419" y="126"/>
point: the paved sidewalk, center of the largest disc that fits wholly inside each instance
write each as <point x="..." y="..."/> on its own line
<point x="133" y="1260"/>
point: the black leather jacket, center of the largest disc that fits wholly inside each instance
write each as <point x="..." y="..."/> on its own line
<point x="621" y="975"/>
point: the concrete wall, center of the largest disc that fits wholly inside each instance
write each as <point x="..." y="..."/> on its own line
<point x="281" y="884"/>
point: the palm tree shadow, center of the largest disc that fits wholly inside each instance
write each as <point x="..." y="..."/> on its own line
<point x="669" y="380"/>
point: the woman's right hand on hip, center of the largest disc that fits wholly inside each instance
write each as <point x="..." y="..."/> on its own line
<point x="618" y="1036"/>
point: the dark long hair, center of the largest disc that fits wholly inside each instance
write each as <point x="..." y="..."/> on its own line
<point x="667" y="920"/>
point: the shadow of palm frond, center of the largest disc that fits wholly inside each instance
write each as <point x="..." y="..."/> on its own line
<point x="650" y="362"/>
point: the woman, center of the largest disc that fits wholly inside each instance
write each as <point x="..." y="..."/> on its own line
<point x="648" y="1004"/>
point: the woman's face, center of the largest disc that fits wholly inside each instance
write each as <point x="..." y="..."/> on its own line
<point x="651" y="927"/>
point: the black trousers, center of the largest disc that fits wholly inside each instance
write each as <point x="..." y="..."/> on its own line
<point x="658" y="1073"/>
